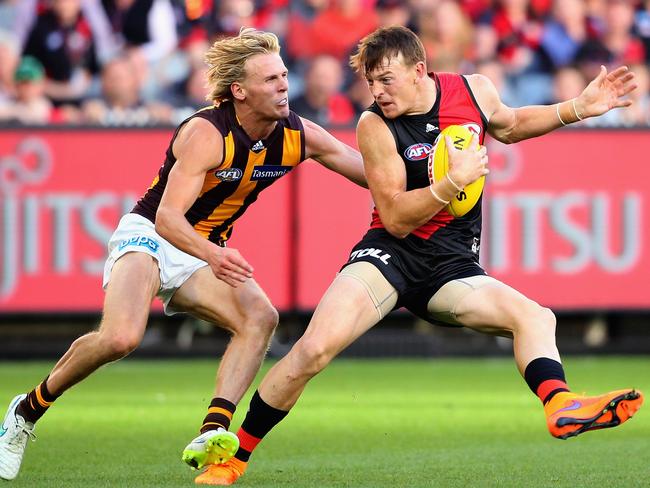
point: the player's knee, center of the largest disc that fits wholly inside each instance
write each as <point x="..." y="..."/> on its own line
<point x="117" y="346"/>
<point x="534" y="316"/>
<point x="262" y="318"/>
<point x="547" y="320"/>
<point x="313" y="356"/>
<point x="269" y="319"/>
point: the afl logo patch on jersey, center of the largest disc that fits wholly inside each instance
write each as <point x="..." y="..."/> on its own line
<point x="230" y="174"/>
<point x="417" y="152"/>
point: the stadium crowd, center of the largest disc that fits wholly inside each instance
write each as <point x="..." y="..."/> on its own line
<point x="140" y="62"/>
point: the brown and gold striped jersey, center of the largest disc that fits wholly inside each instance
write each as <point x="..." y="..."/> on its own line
<point x="247" y="168"/>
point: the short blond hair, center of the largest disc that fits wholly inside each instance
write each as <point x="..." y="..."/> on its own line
<point x="226" y="59"/>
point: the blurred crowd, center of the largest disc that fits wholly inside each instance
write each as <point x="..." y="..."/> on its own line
<point x="140" y="62"/>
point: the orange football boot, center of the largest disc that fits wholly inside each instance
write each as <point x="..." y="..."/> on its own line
<point x="222" y="474"/>
<point x="569" y="414"/>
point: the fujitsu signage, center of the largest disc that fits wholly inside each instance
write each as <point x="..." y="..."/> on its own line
<point x="566" y="218"/>
<point x="26" y="210"/>
<point x="53" y="226"/>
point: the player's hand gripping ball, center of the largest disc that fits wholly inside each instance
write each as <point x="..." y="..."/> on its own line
<point x="464" y="200"/>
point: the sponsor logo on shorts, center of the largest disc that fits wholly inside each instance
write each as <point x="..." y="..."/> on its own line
<point x="229" y="174"/>
<point x="372" y="252"/>
<point x="417" y="152"/>
<point x="142" y="241"/>
<point x="476" y="245"/>
<point x="269" y="172"/>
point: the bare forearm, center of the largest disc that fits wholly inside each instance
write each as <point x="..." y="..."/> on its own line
<point x="411" y="209"/>
<point x="357" y="176"/>
<point x="347" y="163"/>
<point x="355" y="172"/>
<point x="174" y="227"/>
<point x="536" y="120"/>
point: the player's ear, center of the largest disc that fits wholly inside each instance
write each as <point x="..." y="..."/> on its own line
<point x="238" y="91"/>
<point x="420" y="71"/>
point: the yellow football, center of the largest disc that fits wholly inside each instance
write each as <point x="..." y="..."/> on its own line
<point x="465" y="200"/>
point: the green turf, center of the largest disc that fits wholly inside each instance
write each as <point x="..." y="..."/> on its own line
<point x="429" y="423"/>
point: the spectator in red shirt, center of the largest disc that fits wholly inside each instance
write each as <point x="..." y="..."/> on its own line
<point x="518" y="33"/>
<point x="337" y="30"/>
<point x="301" y="15"/>
<point x="62" y="41"/>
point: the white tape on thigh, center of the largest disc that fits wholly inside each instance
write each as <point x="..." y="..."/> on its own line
<point x="381" y="292"/>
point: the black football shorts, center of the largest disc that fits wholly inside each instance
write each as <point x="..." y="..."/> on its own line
<point x="415" y="267"/>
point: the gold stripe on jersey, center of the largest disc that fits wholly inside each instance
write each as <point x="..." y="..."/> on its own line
<point x="223" y="199"/>
<point x="204" y="227"/>
<point x="292" y="146"/>
<point x="234" y="202"/>
<point x="154" y="182"/>
<point x="211" y="179"/>
<point x="246" y="186"/>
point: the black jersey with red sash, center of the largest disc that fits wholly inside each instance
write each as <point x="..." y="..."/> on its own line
<point x="247" y="168"/>
<point x="415" y="136"/>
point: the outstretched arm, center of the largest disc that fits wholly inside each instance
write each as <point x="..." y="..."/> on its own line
<point x="335" y="155"/>
<point x="508" y="125"/>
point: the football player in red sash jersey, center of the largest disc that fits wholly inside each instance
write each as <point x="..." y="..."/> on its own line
<point x="419" y="256"/>
<point x="172" y="244"/>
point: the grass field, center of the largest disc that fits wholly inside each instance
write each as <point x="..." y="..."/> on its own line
<point x="383" y="423"/>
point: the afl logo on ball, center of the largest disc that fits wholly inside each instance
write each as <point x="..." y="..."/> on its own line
<point x="230" y="174"/>
<point x="417" y="152"/>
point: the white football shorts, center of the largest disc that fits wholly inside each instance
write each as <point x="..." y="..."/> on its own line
<point x="135" y="233"/>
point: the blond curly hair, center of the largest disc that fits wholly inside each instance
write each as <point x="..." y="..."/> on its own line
<point x="227" y="57"/>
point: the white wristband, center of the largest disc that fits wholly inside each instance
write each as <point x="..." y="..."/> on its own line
<point x="557" y="110"/>
<point x="435" y="195"/>
<point x="458" y="188"/>
<point x="573" y="102"/>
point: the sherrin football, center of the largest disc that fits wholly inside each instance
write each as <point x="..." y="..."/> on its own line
<point x="465" y="200"/>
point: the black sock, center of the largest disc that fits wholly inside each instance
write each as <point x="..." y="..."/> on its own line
<point x="259" y="421"/>
<point x="37" y="402"/>
<point x="545" y="377"/>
